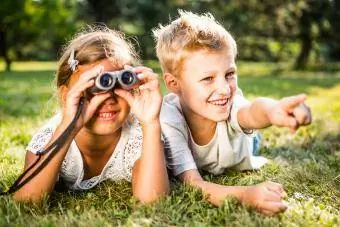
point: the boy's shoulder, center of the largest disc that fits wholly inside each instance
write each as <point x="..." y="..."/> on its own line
<point x="171" y="111"/>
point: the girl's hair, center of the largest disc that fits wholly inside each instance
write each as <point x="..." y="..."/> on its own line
<point x="92" y="44"/>
<point x="189" y="33"/>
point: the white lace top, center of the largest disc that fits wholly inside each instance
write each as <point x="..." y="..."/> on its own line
<point x="119" y="166"/>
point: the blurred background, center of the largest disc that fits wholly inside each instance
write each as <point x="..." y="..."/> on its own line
<point x="301" y="32"/>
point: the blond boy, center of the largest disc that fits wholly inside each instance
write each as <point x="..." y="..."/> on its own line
<point x="206" y="121"/>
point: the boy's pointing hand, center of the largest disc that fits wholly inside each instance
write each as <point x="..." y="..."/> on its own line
<point x="291" y="112"/>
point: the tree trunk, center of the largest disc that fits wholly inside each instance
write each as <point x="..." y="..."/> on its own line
<point x="306" y="39"/>
<point x="4" y="47"/>
<point x="306" y="47"/>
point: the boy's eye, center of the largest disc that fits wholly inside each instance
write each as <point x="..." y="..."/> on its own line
<point x="229" y="75"/>
<point x="209" y="78"/>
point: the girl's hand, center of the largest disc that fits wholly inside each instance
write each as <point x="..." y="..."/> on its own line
<point x="145" y="101"/>
<point x="265" y="197"/>
<point x="75" y="92"/>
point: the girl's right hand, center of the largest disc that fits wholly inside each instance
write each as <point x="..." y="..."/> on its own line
<point x="76" y="91"/>
<point x="265" y="197"/>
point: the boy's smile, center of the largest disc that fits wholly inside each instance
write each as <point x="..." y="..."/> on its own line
<point x="207" y="85"/>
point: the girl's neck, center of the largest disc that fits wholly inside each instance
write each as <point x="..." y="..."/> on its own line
<point x="96" y="146"/>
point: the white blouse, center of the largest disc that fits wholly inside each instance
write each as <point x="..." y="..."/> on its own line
<point x="119" y="166"/>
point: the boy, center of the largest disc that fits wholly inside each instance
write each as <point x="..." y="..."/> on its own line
<point x="206" y="121"/>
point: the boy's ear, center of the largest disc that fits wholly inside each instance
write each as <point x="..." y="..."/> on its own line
<point x="172" y="83"/>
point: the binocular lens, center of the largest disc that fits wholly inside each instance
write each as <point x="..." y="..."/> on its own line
<point x="127" y="78"/>
<point x="106" y="80"/>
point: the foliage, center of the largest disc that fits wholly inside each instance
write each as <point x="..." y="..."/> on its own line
<point x="307" y="163"/>
<point x="303" y="30"/>
<point x="31" y="29"/>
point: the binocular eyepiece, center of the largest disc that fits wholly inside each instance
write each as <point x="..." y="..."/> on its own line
<point x="108" y="80"/>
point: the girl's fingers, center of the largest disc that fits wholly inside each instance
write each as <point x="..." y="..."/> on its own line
<point x="76" y="92"/>
<point x="147" y="76"/>
<point x="138" y="69"/>
<point x="152" y="85"/>
<point x="86" y="80"/>
<point x="125" y="95"/>
<point x="95" y="102"/>
<point x="91" y="73"/>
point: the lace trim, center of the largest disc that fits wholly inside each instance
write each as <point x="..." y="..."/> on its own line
<point x="119" y="166"/>
<point x="40" y="140"/>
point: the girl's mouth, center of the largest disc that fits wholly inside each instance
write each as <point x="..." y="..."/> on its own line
<point x="107" y="115"/>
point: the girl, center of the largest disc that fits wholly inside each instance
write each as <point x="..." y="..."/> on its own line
<point x="117" y="135"/>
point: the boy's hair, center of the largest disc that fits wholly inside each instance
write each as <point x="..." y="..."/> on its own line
<point x="190" y="32"/>
<point x="92" y="44"/>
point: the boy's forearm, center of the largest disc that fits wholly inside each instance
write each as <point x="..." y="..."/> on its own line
<point x="255" y="115"/>
<point x="218" y="193"/>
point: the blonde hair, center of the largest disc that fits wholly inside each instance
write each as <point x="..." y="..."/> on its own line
<point x="189" y="33"/>
<point x="93" y="44"/>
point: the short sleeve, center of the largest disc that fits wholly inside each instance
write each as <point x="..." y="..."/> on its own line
<point x="238" y="102"/>
<point x="44" y="135"/>
<point x="178" y="154"/>
<point x="175" y="136"/>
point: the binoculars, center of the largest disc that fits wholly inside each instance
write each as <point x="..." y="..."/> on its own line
<point x="108" y="80"/>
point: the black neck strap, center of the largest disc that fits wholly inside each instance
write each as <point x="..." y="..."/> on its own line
<point x="51" y="150"/>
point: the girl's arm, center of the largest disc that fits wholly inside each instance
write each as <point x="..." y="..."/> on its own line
<point x="43" y="183"/>
<point x="149" y="176"/>
<point x="150" y="179"/>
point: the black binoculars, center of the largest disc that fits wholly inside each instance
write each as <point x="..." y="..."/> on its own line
<point x="108" y="80"/>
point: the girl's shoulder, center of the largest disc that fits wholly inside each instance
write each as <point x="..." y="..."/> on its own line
<point x="44" y="134"/>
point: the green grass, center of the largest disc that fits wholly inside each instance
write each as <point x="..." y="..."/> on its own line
<point x="307" y="163"/>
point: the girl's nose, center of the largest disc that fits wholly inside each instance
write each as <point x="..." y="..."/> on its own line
<point x="112" y="99"/>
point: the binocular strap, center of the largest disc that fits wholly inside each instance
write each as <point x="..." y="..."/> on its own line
<point x="52" y="150"/>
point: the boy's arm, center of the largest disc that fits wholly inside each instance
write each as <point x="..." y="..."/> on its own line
<point x="266" y="197"/>
<point x="288" y="112"/>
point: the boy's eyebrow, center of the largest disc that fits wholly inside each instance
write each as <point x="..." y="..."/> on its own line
<point x="232" y="68"/>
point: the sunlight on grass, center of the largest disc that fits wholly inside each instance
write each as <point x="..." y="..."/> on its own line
<point x="30" y="66"/>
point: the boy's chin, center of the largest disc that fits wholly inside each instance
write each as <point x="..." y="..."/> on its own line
<point x="220" y="118"/>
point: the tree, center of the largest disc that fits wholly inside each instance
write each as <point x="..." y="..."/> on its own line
<point x="27" y="27"/>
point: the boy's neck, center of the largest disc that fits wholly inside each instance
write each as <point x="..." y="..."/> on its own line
<point x="201" y="128"/>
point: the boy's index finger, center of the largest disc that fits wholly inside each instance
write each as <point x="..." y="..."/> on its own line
<point x="293" y="101"/>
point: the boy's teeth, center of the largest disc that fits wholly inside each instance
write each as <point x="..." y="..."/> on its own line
<point x="218" y="102"/>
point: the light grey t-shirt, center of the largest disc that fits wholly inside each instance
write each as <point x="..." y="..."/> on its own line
<point x="230" y="146"/>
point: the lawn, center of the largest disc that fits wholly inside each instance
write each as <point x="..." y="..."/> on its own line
<point x="306" y="163"/>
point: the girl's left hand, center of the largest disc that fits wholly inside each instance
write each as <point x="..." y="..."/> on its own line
<point x="145" y="101"/>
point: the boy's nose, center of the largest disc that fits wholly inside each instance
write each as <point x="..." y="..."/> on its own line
<point x="223" y="88"/>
